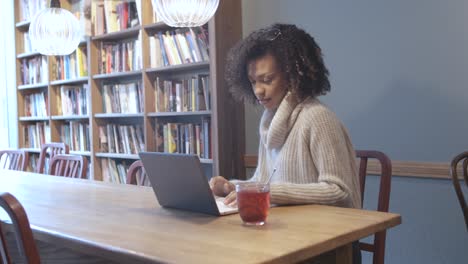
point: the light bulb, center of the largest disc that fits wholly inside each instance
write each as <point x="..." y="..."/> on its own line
<point x="55" y="31"/>
<point x="185" y="13"/>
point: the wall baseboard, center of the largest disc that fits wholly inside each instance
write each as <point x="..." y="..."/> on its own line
<point x="437" y="170"/>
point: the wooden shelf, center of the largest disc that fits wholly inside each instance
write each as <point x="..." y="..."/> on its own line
<point x="28" y="55"/>
<point x="33" y="118"/>
<point x="69" y="117"/>
<point x="70" y="81"/>
<point x="117" y="75"/>
<point x="135" y="157"/>
<point x="117" y="156"/>
<point x="123" y="34"/>
<point x="158" y="26"/>
<point x="82" y="153"/>
<point x="23" y="25"/>
<point x="194" y="113"/>
<point x="118" y="115"/>
<point x="83" y="41"/>
<point x="32" y="150"/>
<point x="206" y="161"/>
<point x="180" y="67"/>
<point x="32" y="86"/>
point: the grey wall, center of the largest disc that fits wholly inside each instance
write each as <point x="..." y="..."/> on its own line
<point x="399" y="69"/>
<point x="433" y="229"/>
<point x="399" y="74"/>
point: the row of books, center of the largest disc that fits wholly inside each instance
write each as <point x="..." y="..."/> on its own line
<point x="114" y="170"/>
<point x="186" y="138"/>
<point x="33" y="162"/>
<point x="81" y="9"/>
<point x="154" y="17"/>
<point x="179" y="46"/>
<point x="111" y="16"/>
<point x="29" y="8"/>
<point x="27" y="47"/>
<point x="76" y="135"/>
<point x="71" y="66"/>
<point x="34" y="70"/>
<point x="73" y="100"/>
<point x="120" y="56"/>
<point x="122" y="98"/>
<point x="36" y="134"/>
<point x="124" y="139"/>
<point x="191" y="94"/>
<point x="35" y="104"/>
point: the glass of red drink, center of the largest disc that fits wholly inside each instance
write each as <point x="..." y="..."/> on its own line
<point x="253" y="201"/>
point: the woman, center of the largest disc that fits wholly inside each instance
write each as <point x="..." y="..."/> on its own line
<point x="303" y="146"/>
<point x="302" y="142"/>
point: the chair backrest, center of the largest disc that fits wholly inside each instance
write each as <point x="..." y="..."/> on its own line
<point x="67" y="165"/>
<point x="52" y="149"/>
<point x="14" y="159"/>
<point x="456" y="181"/>
<point x="378" y="246"/>
<point x="136" y="174"/>
<point x="22" y="230"/>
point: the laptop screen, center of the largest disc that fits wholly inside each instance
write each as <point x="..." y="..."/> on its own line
<point x="178" y="182"/>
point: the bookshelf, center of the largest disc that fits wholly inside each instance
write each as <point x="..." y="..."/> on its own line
<point x="121" y="96"/>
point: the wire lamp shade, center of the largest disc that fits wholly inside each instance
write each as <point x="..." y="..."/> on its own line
<point x="185" y="13"/>
<point x="55" y="31"/>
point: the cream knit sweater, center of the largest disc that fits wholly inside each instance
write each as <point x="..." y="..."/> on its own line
<point x="312" y="154"/>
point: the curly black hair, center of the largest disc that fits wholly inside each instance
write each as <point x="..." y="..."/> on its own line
<point x="297" y="53"/>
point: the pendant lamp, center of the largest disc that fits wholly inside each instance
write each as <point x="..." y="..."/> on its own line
<point x="185" y="13"/>
<point x="55" y="31"/>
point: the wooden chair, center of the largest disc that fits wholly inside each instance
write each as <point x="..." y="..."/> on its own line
<point x="378" y="246"/>
<point x="52" y="149"/>
<point x="136" y="174"/>
<point x="456" y="181"/>
<point x="14" y="159"/>
<point x="72" y="166"/>
<point x="22" y="230"/>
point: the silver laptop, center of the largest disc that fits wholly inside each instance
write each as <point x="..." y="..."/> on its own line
<point x="178" y="182"/>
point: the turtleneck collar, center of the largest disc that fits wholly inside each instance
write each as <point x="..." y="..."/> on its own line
<point x="275" y="124"/>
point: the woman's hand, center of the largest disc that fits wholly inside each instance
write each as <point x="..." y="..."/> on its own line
<point x="231" y="199"/>
<point x="221" y="187"/>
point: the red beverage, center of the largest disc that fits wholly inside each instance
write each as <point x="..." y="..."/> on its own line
<point x="253" y="201"/>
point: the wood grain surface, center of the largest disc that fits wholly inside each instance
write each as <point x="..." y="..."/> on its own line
<point x="125" y="223"/>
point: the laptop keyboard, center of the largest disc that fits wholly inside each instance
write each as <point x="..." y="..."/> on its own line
<point x="222" y="207"/>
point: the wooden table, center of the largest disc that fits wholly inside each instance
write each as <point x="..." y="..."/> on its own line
<point x="125" y="223"/>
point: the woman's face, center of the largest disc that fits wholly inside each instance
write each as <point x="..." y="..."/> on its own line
<point x="268" y="81"/>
